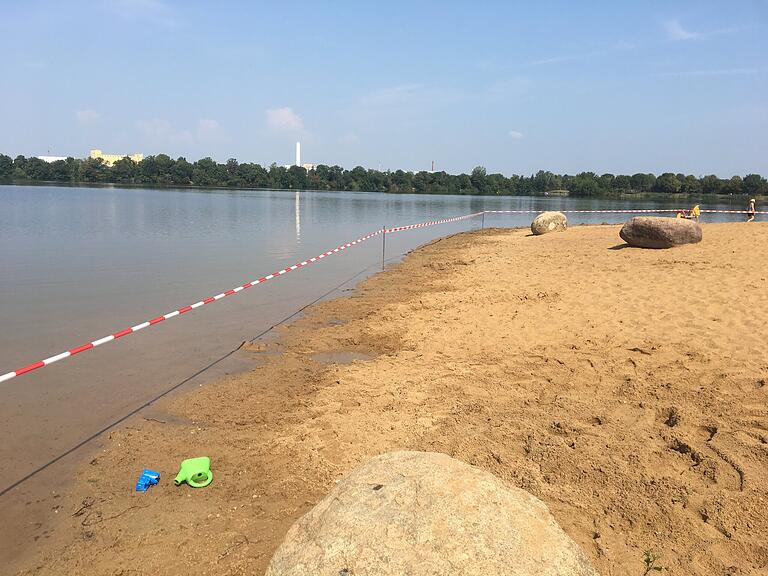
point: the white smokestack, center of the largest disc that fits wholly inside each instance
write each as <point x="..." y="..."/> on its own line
<point x="298" y="153"/>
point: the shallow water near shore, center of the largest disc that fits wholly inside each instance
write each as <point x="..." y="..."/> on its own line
<point x="80" y="263"/>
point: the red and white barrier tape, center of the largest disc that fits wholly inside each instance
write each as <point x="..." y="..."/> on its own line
<point x="732" y="212"/>
<point x="583" y="211"/>
<point x="178" y="312"/>
<point x="643" y="211"/>
<point x="432" y="223"/>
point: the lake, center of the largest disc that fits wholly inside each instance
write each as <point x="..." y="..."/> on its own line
<point x="80" y="263"/>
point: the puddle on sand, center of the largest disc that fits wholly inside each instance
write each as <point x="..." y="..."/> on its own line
<point x="153" y="414"/>
<point x="340" y="357"/>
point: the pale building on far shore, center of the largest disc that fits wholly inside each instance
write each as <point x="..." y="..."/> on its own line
<point x="110" y="159"/>
<point x="50" y="159"/>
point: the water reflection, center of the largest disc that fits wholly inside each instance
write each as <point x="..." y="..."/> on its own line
<point x="298" y="217"/>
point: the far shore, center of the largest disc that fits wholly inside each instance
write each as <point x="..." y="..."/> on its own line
<point x="739" y="201"/>
<point x="626" y="388"/>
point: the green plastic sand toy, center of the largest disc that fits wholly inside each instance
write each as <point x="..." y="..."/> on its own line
<point x="196" y="472"/>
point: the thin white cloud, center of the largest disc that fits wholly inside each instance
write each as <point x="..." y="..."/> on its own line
<point x="511" y="87"/>
<point x="152" y="10"/>
<point x="720" y="72"/>
<point x="677" y="33"/>
<point x="284" y="120"/>
<point x="516" y="135"/>
<point x="161" y="132"/>
<point x="393" y="94"/>
<point x="138" y="4"/>
<point x="207" y="126"/>
<point x="87" y="116"/>
<point x="619" y="47"/>
<point x="409" y="95"/>
<point x="349" y="138"/>
<point x="158" y="131"/>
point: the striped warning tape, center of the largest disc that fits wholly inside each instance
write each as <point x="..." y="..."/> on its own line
<point x="584" y="211"/>
<point x="733" y="212"/>
<point x="642" y="211"/>
<point x="180" y="311"/>
<point x="432" y="223"/>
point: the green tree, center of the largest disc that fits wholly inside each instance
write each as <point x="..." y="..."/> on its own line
<point x="478" y="179"/>
<point x="711" y="184"/>
<point x="93" y="170"/>
<point x="234" y="176"/>
<point x="401" y="182"/>
<point x="643" y="182"/>
<point x="622" y="183"/>
<point x="19" y="166"/>
<point x="206" y="172"/>
<point x="59" y="171"/>
<point x="753" y="185"/>
<point x="164" y="166"/>
<point x="278" y="177"/>
<point x="690" y="185"/>
<point x="496" y="184"/>
<point x="544" y="181"/>
<point x="420" y="182"/>
<point x="149" y="172"/>
<point x="297" y="178"/>
<point x="182" y="172"/>
<point x="585" y="184"/>
<point x="37" y="169"/>
<point x="607" y="182"/>
<point x="6" y="167"/>
<point x="124" y="171"/>
<point x="733" y="186"/>
<point x="667" y="183"/>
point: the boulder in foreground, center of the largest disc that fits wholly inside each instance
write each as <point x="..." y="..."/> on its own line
<point x="549" y="222"/>
<point x="655" y="232"/>
<point x="426" y="513"/>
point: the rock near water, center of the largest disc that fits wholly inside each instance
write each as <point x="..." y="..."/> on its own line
<point x="549" y="222"/>
<point x="422" y="513"/>
<point x="655" y="232"/>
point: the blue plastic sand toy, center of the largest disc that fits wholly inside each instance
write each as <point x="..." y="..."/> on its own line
<point x="148" y="478"/>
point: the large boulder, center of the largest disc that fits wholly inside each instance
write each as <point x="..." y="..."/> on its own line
<point x="425" y="513"/>
<point x="655" y="232"/>
<point x="549" y="222"/>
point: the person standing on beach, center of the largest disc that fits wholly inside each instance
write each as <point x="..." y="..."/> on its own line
<point x="751" y="210"/>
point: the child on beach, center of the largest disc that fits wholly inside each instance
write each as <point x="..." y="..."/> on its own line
<point x="751" y="210"/>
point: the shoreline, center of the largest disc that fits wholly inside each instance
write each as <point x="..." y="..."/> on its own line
<point x="651" y="196"/>
<point x="481" y="345"/>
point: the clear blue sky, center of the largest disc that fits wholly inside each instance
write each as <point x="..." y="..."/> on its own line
<point x="565" y="86"/>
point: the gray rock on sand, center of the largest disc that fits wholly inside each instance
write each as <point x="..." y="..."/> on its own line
<point x="656" y="232"/>
<point x="426" y="513"/>
<point x="549" y="222"/>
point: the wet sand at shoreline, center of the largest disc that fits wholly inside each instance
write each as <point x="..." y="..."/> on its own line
<point x="625" y="388"/>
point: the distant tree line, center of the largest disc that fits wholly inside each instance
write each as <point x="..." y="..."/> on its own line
<point x="162" y="170"/>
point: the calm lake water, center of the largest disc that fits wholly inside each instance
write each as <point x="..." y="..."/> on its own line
<point x="77" y="264"/>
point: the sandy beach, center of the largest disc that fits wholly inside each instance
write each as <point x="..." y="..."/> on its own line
<point x="626" y="388"/>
